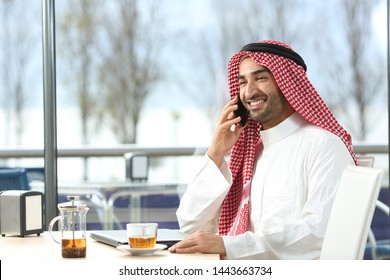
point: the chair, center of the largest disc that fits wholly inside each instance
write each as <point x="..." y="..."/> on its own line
<point x="35" y="174"/>
<point x="13" y="179"/>
<point x="366" y="161"/>
<point x="373" y="246"/>
<point x="351" y="214"/>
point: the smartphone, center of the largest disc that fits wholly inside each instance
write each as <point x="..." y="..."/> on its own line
<point x="242" y="112"/>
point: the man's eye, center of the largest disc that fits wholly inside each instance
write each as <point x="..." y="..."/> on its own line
<point x="241" y="83"/>
<point x="261" y="77"/>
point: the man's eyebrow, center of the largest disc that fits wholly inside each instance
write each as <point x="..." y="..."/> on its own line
<point x="253" y="73"/>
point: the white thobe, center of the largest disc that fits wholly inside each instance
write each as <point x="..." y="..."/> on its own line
<point x="295" y="179"/>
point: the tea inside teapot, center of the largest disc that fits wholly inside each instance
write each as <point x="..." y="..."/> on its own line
<point x="73" y="227"/>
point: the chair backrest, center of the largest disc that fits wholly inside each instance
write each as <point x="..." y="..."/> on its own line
<point x="366" y="161"/>
<point x="13" y="179"/>
<point x="35" y="174"/>
<point x="351" y="214"/>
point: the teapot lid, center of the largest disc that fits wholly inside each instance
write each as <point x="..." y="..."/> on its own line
<point x="72" y="204"/>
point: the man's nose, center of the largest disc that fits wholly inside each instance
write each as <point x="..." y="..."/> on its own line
<point x="251" y="89"/>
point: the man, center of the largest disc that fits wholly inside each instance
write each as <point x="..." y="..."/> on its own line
<point x="274" y="199"/>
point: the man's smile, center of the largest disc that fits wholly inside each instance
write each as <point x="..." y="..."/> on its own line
<point x="256" y="104"/>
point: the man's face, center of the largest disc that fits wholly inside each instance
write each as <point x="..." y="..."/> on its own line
<point x="261" y="95"/>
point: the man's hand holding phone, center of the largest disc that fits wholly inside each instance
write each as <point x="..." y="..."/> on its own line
<point x="224" y="138"/>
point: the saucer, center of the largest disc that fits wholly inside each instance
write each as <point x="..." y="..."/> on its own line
<point x="141" y="251"/>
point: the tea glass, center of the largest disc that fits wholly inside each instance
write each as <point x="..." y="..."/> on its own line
<point x="142" y="235"/>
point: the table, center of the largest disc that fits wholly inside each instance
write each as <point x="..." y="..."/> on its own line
<point x="108" y="192"/>
<point x="43" y="247"/>
<point x="39" y="257"/>
<point x="135" y="194"/>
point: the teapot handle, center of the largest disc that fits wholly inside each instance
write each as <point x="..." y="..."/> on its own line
<point x="51" y="228"/>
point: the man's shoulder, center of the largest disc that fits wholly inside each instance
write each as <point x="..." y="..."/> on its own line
<point x="323" y="145"/>
<point x="313" y="132"/>
<point x="315" y="138"/>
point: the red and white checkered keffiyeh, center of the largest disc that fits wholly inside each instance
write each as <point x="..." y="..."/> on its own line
<point x="301" y="94"/>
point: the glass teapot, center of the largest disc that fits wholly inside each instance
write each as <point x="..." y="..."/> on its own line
<point x="73" y="228"/>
